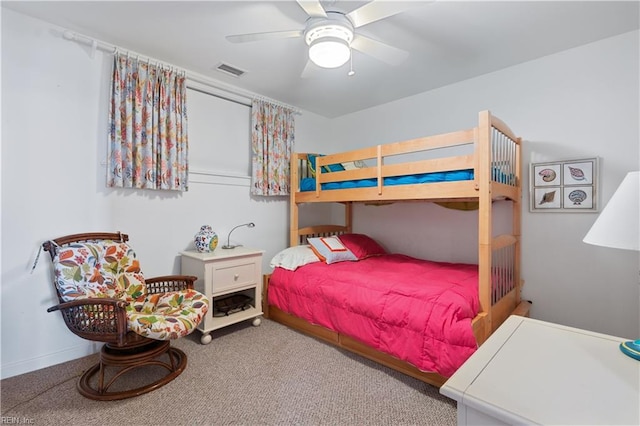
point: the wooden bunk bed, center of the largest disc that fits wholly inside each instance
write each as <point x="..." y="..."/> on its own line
<point x="494" y="160"/>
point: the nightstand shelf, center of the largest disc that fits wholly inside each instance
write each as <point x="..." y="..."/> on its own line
<point x="223" y="273"/>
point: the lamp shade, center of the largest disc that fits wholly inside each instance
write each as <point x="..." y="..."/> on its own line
<point x="329" y="52"/>
<point x="618" y="226"/>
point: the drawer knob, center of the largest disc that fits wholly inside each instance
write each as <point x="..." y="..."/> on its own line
<point x="235" y="277"/>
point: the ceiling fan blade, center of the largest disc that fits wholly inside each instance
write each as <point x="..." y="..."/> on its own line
<point x="243" y="38"/>
<point x="309" y="70"/>
<point x="377" y="49"/>
<point x="313" y="8"/>
<point x="377" y="10"/>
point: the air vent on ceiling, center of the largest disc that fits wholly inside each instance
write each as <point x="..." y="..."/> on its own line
<point x="231" y="70"/>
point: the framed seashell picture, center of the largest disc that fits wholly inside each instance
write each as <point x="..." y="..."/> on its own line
<point x="564" y="186"/>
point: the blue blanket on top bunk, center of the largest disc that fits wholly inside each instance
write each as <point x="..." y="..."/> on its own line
<point x="309" y="184"/>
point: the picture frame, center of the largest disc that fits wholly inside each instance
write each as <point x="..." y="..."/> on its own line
<point x="569" y="186"/>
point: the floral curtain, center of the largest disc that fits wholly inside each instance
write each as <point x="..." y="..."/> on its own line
<point x="148" y="144"/>
<point x="272" y="138"/>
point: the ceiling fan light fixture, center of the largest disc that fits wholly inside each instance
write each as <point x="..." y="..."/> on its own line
<point x="329" y="52"/>
<point x="338" y="28"/>
<point x="329" y="40"/>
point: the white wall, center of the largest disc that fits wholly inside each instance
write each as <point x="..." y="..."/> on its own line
<point x="580" y="103"/>
<point x="54" y="135"/>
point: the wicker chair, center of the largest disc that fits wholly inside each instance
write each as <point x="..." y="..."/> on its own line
<point x="104" y="297"/>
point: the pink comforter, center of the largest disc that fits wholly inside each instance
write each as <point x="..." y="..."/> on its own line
<point x="415" y="310"/>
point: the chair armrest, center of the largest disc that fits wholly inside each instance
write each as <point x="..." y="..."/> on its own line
<point x="96" y="319"/>
<point x="169" y="283"/>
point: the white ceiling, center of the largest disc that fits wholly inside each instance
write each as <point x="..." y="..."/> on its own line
<point x="448" y="41"/>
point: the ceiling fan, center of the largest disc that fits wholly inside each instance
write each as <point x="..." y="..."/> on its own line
<point x="331" y="35"/>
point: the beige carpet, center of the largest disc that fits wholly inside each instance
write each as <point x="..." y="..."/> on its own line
<point x="266" y="375"/>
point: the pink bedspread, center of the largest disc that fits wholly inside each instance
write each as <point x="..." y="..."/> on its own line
<point x="415" y="310"/>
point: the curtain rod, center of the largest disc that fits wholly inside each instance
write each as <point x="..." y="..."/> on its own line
<point x="112" y="49"/>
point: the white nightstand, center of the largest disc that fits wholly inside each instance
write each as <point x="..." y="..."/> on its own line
<point x="534" y="372"/>
<point x="223" y="273"/>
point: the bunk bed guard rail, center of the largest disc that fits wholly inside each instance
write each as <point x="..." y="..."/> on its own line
<point x="429" y="158"/>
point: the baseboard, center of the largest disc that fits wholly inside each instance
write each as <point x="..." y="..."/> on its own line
<point x="28" y="365"/>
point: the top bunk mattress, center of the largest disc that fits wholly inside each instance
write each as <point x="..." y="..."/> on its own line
<point x="309" y="183"/>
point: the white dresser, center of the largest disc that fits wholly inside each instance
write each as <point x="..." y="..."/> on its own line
<point x="535" y="372"/>
<point x="223" y="273"/>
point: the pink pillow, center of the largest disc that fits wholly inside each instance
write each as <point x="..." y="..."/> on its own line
<point x="362" y="246"/>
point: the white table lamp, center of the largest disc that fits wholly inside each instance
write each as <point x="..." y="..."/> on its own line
<point x="618" y="226"/>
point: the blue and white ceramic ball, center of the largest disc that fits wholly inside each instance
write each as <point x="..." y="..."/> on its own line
<point x="206" y="240"/>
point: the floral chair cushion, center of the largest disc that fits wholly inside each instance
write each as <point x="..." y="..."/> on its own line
<point x="110" y="269"/>
<point x="169" y="315"/>
<point x="98" y="269"/>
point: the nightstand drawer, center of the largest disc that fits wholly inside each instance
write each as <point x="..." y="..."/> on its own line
<point x="231" y="275"/>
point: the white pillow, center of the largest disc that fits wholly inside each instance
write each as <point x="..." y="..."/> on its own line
<point x="353" y="165"/>
<point x="294" y="257"/>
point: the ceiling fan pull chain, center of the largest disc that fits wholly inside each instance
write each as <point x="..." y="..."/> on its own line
<point x="351" y="72"/>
